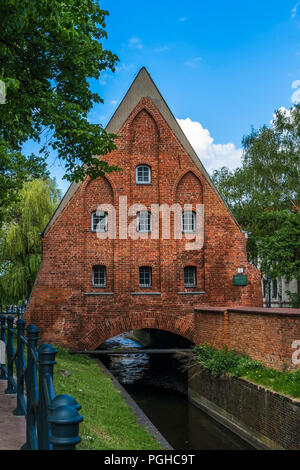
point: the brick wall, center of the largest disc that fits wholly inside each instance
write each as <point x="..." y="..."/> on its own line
<point x="265" y="334"/>
<point x="70" y="311"/>
<point x="266" y="419"/>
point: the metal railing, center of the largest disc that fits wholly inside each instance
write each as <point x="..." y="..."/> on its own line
<point x="52" y="422"/>
<point x="16" y="310"/>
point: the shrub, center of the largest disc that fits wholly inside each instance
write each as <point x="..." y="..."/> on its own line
<point x="241" y="365"/>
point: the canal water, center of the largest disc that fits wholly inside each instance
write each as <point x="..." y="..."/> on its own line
<point x="160" y="390"/>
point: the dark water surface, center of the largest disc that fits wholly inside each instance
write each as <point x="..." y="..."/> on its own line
<point x="155" y="389"/>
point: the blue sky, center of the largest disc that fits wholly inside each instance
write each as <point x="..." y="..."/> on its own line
<point x="221" y="66"/>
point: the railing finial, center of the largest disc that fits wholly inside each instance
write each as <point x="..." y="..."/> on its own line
<point x="64" y="421"/>
<point x="46" y="353"/>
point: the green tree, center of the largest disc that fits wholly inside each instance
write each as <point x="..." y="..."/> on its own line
<point x="20" y="241"/>
<point x="50" y="51"/>
<point x="15" y="169"/>
<point x="263" y="194"/>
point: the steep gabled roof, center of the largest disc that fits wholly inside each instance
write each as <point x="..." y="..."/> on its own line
<point x="142" y="87"/>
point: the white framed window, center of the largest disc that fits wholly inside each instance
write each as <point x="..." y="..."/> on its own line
<point x="189" y="222"/>
<point x="144" y="221"/>
<point x="99" y="221"/>
<point x="145" y="274"/>
<point x="99" y="276"/>
<point x="274" y="288"/>
<point x="143" y="174"/>
<point x="265" y="287"/>
<point x="190" y="276"/>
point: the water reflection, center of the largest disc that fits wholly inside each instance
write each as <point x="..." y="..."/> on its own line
<point x="130" y="368"/>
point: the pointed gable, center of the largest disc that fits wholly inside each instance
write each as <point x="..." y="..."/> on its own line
<point x="143" y="87"/>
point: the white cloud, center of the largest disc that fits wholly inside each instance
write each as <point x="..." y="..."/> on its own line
<point x="182" y="20"/>
<point x="285" y="111"/>
<point x="213" y="156"/>
<point x="125" y="68"/>
<point x="103" y="79"/>
<point x="161" y="49"/>
<point x="193" y="63"/>
<point x="135" y="42"/>
<point x="294" y="10"/>
<point x="114" y="102"/>
<point x="295" y="98"/>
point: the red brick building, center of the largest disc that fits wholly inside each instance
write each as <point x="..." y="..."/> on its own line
<point x="90" y="289"/>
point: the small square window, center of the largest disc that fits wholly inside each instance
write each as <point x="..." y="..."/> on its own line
<point x="99" y="221"/>
<point x="145" y="276"/>
<point x="144" y="221"/>
<point x="143" y="174"/>
<point x="99" y="276"/>
<point x="189" y="222"/>
<point x="190" y="278"/>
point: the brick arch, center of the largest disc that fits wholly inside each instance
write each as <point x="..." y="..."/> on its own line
<point x="98" y="191"/>
<point x="110" y="327"/>
<point x="189" y="189"/>
<point x="144" y="133"/>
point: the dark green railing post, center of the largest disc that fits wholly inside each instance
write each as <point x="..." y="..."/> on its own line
<point x="46" y="393"/>
<point x="3" y="375"/>
<point x="31" y="388"/>
<point x="21" y="366"/>
<point x="11" y="389"/>
<point x="64" y="421"/>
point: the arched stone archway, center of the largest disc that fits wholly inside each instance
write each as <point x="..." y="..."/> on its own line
<point x="110" y="327"/>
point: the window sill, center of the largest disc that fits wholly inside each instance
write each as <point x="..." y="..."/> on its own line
<point x="191" y="293"/>
<point x="145" y="293"/>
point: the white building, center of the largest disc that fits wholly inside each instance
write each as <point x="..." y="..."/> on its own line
<point x="279" y="288"/>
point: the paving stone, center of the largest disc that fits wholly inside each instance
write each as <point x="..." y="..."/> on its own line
<point x="12" y="428"/>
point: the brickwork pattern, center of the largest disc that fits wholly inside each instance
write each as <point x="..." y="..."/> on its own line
<point x="263" y="413"/>
<point x="265" y="334"/>
<point x="59" y="303"/>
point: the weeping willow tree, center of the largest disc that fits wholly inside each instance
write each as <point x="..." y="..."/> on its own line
<point x="20" y="241"/>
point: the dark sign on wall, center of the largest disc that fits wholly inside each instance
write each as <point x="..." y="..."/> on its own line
<point x="240" y="280"/>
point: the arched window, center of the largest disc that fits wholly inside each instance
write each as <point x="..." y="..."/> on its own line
<point x="99" y="221"/>
<point x="143" y="174"/>
<point x="99" y="276"/>
<point x="144" y="221"/>
<point x="189" y="222"/>
<point x="190" y="276"/>
<point x="145" y="276"/>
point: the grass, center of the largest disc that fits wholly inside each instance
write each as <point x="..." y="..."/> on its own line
<point x="225" y="361"/>
<point x="109" y="423"/>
